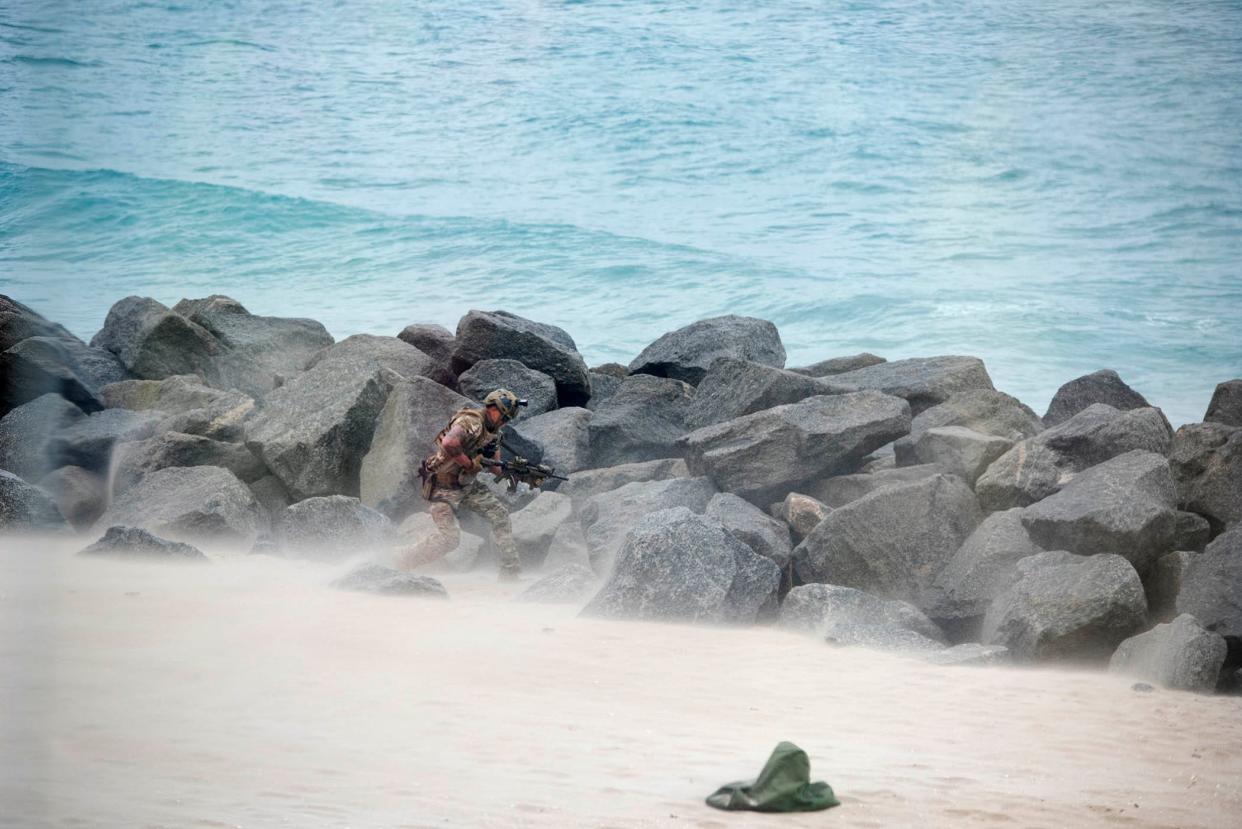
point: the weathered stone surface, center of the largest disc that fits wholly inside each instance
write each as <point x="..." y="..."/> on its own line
<point x="1212" y="585"/>
<point x="802" y="513"/>
<point x="1123" y="506"/>
<point x="839" y="490"/>
<point x="603" y="387"/>
<point x="139" y="458"/>
<point x="19" y="322"/>
<point x="1065" y="606"/>
<point x="414" y="413"/>
<point x="385" y="581"/>
<point x="970" y="653"/>
<point x="368" y="350"/>
<point x="535" y="525"/>
<point x="79" y="494"/>
<point x="923" y="381"/>
<point x="982" y="410"/>
<point x="333" y="528"/>
<point x="644" y="419"/>
<point x="981" y="569"/>
<point x="734" y="387"/>
<point x="192" y="407"/>
<point x="1180" y="655"/>
<point x="1206" y="459"/>
<point x="138" y="543"/>
<point x="612" y="370"/>
<point x="688" y="352"/>
<point x="483" y="335"/>
<point x="569" y="584"/>
<point x="678" y="565"/>
<point x="569" y="546"/>
<point x="959" y="451"/>
<point x="314" y="431"/>
<point x="485" y="376"/>
<point x="1193" y="532"/>
<point x="585" y="483"/>
<point x="845" y="616"/>
<point x="840" y="365"/>
<point x="46" y="365"/>
<point x="27" y="431"/>
<point x="1038" y="467"/>
<point x="607" y="517"/>
<point x="763" y="456"/>
<point x="563" y="438"/>
<point x="153" y="342"/>
<point x="1103" y="386"/>
<point x="435" y="341"/>
<point x="198" y="504"/>
<point x="24" y="506"/>
<point x="1164" y="583"/>
<point x="1226" y="404"/>
<point x="751" y="525"/>
<point x="272" y="497"/>
<point x="893" y="542"/>
<point x="89" y="442"/>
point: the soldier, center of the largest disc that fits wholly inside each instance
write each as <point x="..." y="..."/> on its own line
<point x="449" y="482"/>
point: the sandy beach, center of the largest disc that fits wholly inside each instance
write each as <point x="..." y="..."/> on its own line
<point x="247" y="693"/>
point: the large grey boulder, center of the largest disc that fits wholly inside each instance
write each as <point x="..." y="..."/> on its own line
<point x="1226" y="404"/>
<point x="333" y="528"/>
<point x="153" y="342"/>
<point x="134" y="542"/>
<point x="137" y="459"/>
<point x="314" y="431"/>
<point x="367" y="350"/>
<point x="957" y="450"/>
<point x="535" y="525"/>
<point x="562" y="436"/>
<point x="1212" y="585"/>
<point x="922" y="381"/>
<point x="1164" y="583"/>
<point x="47" y="365"/>
<point x="385" y="581"/>
<point x="801" y="514"/>
<point x="435" y="341"/>
<point x="839" y="490"/>
<point x="27" y="431"/>
<point x="587" y="482"/>
<point x="483" y="335"/>
<point x="845" y="616"/>
<point x="89" y="441"/>
<point x="1068" y="607"/>
<point x="840" y="365"/>
<point x="1193" y="531"/>
<point x="1123" y="506"/>
<point x="687" y="353"/>
<point x="24" y="506"/>
<point x="199" y="504"/>
<point x="987" y="411"/>
<point x="1039" y="466"/>
<point x="751" y="525"/>
<point x="1180" y="655"/>
<point x="603" y="387"/>
<point x="80" y="495"/>
<point x="607" y="517"/>
<point x="982" y="568"/>
<point x="485" y="376"/>
<point x="893" y="542"/>
<point x="680" y="566"/>
<point x="569" y="584"/>
<point x="764" y="456"/>
<point x="415" y="412"/>
<point x="733" y="387"/>
<point x="19" y="322"/>
<point x="1206" y="459"/>
<point x="568" y="547"/>
<point x="644" y="419"/>
<point x="192" y="407"/>
<point x="272" y="497"/>
<point x="1103" y="386"/>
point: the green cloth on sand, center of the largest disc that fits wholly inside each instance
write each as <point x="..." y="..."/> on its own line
<point x="784" y="785"/>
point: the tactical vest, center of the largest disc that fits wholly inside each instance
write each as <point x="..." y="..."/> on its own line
<point x="439" y="470"/>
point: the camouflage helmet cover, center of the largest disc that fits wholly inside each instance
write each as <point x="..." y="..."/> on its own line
<point x="505" y="401"/>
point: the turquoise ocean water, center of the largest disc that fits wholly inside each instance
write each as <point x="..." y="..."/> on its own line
<point x="1053" y="186"/>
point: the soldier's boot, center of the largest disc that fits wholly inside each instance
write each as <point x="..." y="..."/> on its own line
<point x="437" y="545"/>
<point x="502" y="534"/>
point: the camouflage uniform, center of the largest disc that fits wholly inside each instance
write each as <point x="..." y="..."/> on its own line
<point x="448" y="486"/>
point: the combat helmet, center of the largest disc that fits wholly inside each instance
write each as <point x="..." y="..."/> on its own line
<point x="506" y="402"/>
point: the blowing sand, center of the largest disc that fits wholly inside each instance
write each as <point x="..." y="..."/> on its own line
<point x="247" y="693"/>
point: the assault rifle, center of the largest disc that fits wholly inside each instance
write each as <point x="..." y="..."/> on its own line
<point x="520" y="470"/>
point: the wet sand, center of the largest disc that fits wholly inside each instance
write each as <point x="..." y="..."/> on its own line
<point x="245" y="692"/>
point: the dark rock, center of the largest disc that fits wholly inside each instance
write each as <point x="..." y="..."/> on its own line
<point x="367" y="350"/>
<point x="644" y="419"/>
<point x="545" y="348"/>
<point x="1212" y="585"/>
<point x="562" y="437"/>
<point x="893" y="542"/>
<point x="80" y="495"/>
<point x="733" y="387"/>
<point x="1193" y="532"/>
<point x="19" y="322"/>
<point x="1070" y="607"/>
<point x="485" y="376"/>
<point x="612" y="370"/>
<point x="970" y="653"/>
<point x="687" y="353"/>
<point x="845" y="616"/>
<point x="137" y="459"/>
<point x="153" y="342"/>
<point x="27" y="431"/>
<point x="272" y="497"/>
<point x="42" y="365"/>
<point x="192" y="407"/>
<point x="198" y="504"/>
<point x="840" y="365"/>
<point x="987" y="411"/>
<point x="1103" y="386"/>
<point x="603" y="387"/>
<point x="677" y="565"/>
<point x="138" y="543"/>
<point x="569" y="584"/>
<point x="535" y="525"/>
<point x="751" y="525"/>
<point x="763" y="456"/>
<point x="435" y="341"/>
<point x="415" y="412"/>
<point x="1164" y="583"/>
<point x="802" y="513"/>
<point x="839" y="490"/>
<point x="385" y="581"/>
<point x="923" y="381"/>
<point x="24" y="506"/>
<point x="333" y="528"/>
<point x="1226" y="405"/>
<point x="1180" y="655"/>
<point x="1038" y="467"/>
<point x="1123" y="506"/>
<point x="607" y="517"/>
<point x="89" y="442"/>
<point x="587" y="482"/>
<point x="1206" y="459"/>
<point x="958" y="451"/>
